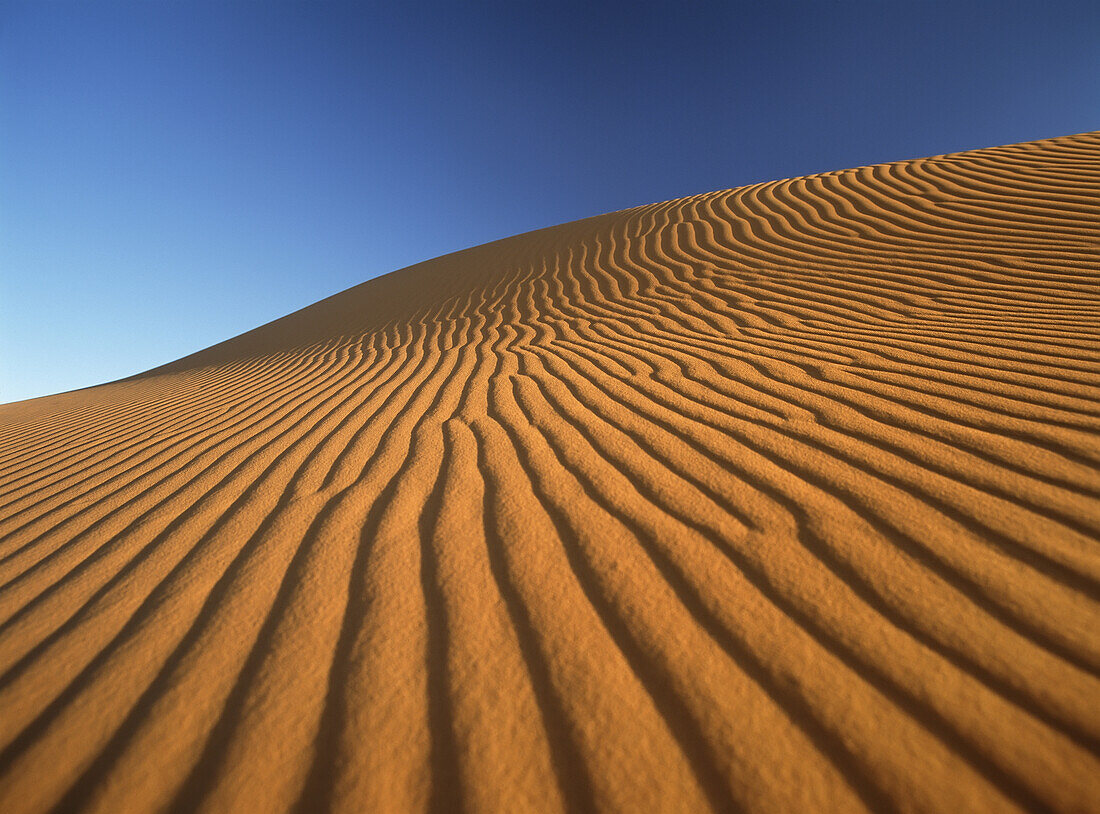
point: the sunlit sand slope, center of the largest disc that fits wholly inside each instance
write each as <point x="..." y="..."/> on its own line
<point x="785" y="498"/>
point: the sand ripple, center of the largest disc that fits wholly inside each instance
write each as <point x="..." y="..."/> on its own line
<point x="783" y="498"/>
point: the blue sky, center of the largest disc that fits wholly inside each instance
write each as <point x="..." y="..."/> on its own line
<point x="176" y="173"/>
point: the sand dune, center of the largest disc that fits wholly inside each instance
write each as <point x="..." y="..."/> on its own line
<point x="784" y="498"/>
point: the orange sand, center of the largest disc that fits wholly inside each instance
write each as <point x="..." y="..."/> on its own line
<point x="784" y="498"/>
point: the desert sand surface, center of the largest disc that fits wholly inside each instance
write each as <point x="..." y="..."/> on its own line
<point x="781" y="499"/>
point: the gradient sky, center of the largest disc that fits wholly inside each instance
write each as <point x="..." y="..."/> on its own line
<point x="176" y="173"/>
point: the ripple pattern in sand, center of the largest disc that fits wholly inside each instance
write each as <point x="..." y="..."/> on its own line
<point x="783" y="498"/>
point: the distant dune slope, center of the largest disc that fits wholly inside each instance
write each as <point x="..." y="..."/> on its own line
<point x="784" y="498"/>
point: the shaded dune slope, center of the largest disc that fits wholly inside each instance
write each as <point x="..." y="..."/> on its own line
<point x="784" y="498"/>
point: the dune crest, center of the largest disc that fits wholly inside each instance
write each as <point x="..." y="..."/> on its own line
<point x="781" y="498"/>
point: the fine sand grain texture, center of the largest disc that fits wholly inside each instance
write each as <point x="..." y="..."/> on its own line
<point x="778" y="499"/>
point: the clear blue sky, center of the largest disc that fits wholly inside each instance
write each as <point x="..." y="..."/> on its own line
<point x="175" y="173"/>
